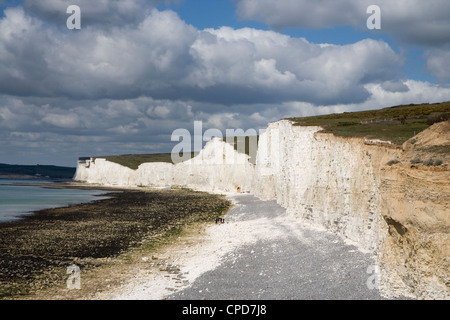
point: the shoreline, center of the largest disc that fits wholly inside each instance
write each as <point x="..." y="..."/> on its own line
<point x="34" y="208"/>
<point x="99" y="236"/>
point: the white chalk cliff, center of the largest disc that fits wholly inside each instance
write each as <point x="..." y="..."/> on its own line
<point x="400" y="212"/>
<point x="217" y="168"/>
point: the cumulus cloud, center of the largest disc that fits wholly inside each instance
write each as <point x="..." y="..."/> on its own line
<point x="438" y="63"/>
<point x="303" y="13"/>
<point x="120" y="63"/>
<point x="414" y="21"/>
<point x="394" y="86"/>
<point x="101" y="13"/>
<point x="70" y="120"/>
<point x="381" y="95"/>
<point x="284" y="68"/>
<point x="164" y="58"/>
<point x="420" y="23"/>
<point x="90" y="127"/>
<point x="418" y="92"/>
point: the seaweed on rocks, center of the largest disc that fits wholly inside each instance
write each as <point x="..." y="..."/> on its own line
<point x="36" y="250"/>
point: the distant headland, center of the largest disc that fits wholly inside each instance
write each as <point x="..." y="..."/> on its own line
<point x="9" y="171"/>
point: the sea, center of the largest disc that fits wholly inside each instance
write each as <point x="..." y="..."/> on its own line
<point x="19" y="198"/>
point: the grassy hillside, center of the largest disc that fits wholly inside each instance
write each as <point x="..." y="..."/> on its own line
<point x="396" y="124"/>
<point x="133" y="161"/>
<point x="51" y="172"/>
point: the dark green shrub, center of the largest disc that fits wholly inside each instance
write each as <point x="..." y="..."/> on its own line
<point x="438" y="118"/>
<point x="347" y="124"/>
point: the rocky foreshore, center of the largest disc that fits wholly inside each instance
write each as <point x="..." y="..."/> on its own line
<point x="36" y="251"/>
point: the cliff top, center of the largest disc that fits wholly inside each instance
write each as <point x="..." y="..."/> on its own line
<point x="133" y="161"/>
<point x="431" y="147"/>
<point x="396" y="124"/>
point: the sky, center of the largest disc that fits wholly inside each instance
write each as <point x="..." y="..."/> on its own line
<point x="137" y="70"/>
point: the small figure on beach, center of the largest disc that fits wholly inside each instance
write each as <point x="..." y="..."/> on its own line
<point x="220" y="220"/>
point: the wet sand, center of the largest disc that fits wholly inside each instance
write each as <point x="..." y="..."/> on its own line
<point x="36" y="250"/>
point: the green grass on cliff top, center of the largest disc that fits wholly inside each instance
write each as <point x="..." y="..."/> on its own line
<point x="384" y="124"/>
<point x="133" y="161"/>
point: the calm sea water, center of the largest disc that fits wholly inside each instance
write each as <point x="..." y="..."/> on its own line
<point x="18" y="199"/>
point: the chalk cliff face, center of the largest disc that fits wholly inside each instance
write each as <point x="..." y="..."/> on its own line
<point x="399" y="212"/>
<point x="217" y="168"/>
<point x="325" y="180"/>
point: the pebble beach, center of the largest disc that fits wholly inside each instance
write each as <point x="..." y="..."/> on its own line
<point x="259" y="252"/>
